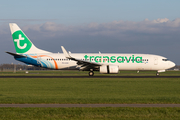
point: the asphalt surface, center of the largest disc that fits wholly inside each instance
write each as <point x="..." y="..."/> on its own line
<point x="89" y="76"/>
<point x="87" y="105"/>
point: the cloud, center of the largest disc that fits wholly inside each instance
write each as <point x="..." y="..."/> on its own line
<point x="122" y="30"/>
<point x="161" y="20"/>
<point x="116" y="28"/>
<point x="160" y="36"/>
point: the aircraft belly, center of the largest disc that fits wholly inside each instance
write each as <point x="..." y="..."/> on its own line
<point x="67" y="65"/>
<point x="134" y="66"/>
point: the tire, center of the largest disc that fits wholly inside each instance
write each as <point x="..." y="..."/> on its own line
<point x="157" y="74"/>
<point x="91" y="73"/>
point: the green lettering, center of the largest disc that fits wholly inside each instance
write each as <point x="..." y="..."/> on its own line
<point x="86" y="57"/>
<point x="107" y="58"/>
<point x="128" y="59"/>
<point x="132" y="58"/>
<point x="113" y="59"/>
<point x="96" y="59"/>
<point x="138" y="59"/>
<point x="91" y="58"/>
<point x="122" y="59"/>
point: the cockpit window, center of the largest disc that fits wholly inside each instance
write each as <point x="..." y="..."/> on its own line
<point x="165" y="60"/>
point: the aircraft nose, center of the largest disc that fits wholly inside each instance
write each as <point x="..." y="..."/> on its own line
<point x="171" y="64"/>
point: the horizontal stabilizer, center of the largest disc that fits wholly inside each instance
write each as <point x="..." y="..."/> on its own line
<point x="15" y="54"/>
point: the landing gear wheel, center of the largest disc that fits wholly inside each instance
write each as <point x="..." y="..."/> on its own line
<point x="91" y="73"/>
<point x="157" y="74"/>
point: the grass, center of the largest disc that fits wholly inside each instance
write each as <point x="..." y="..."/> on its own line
<point x="85" y="73"/>
<point x="90" y="113"/>
<point x="90" y="90"/>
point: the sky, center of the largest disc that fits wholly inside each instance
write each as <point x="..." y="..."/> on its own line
<point x="117" y="26"/>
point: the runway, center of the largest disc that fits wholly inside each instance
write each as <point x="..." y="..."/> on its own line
<point x="87" y="105"/>
<point x="90" y="76"/>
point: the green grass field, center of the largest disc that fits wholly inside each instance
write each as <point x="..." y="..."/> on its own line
<point x="89" y="90"/>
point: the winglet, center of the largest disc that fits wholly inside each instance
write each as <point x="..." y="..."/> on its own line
<point x="65" y="52"/>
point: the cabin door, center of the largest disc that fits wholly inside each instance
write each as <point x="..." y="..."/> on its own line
<point x="155" y="61"/>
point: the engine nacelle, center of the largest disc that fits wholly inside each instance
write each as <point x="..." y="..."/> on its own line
<point x="109" y="69"/>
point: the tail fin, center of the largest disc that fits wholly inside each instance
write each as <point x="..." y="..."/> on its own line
<point x="21" y="42"/>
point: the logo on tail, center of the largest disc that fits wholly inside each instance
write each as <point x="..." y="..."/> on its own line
<point x="21" y="42"/>
<point x="18" y="42"/>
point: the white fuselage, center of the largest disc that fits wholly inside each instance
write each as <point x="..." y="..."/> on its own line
<point x="123" y="61"/>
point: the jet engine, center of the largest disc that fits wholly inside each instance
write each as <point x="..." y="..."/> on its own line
<point x="109" y="69"/>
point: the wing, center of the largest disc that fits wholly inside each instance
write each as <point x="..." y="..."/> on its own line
<point x="82" y="64"/>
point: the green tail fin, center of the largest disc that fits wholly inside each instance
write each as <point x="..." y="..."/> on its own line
<point x="21" y="42"/>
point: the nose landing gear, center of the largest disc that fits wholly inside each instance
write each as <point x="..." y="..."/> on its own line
<point x="157" y="74"/>
<point x="159" y="71"/>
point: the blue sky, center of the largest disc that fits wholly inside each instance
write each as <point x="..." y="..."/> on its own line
<point x="82" y="11"/>
<point x="131" y="26"/>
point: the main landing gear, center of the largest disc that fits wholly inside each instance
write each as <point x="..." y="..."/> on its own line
<point x="91" y="73"/>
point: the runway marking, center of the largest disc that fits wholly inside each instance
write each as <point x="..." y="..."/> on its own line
<point x="89" y="76"/>
<point x="87" y="105"/>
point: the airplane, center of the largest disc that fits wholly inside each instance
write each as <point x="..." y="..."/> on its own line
<point x="106" y="63"/>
